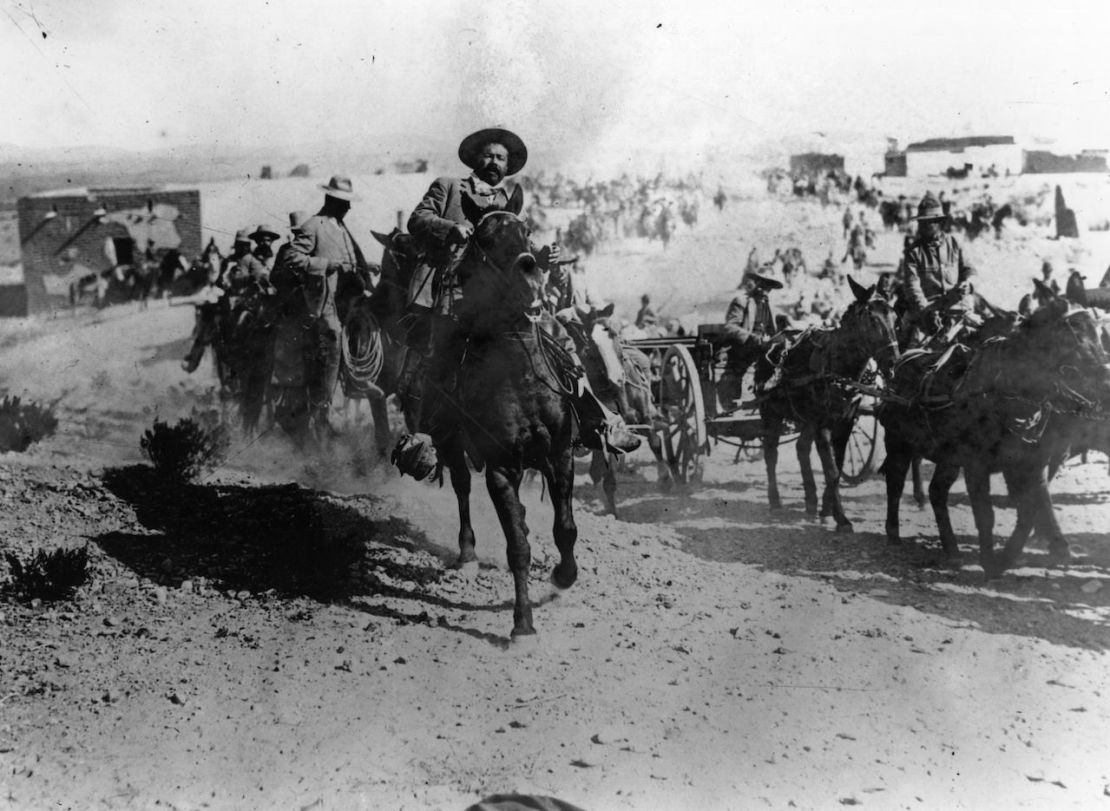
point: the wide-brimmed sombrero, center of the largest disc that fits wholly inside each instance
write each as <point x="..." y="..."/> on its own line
<point x="340" y="187"/>
<point x="264" y="232"/>
<point x="929" y="208"/>
<point x="472" y="144"/>
<point x="760" y="279"/>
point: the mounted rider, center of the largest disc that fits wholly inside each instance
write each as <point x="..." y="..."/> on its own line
<point x="321" y="272"/>
<point x="442" y="224"/>
<point x="934" y="266"/>
<point x="260" y="261"/>
<point x="749" y="327"/>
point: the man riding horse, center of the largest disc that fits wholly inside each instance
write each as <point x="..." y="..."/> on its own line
<point x="321" y="272"/>
<point x="442" y="225"/>
<point x="934" y="267"/>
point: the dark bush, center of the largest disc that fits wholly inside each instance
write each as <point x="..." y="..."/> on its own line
<point x="49" y="575"/>
<point x="183" y="451"/>
<point x="22" y="424"/>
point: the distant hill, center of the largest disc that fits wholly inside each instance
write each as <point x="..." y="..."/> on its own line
<point x="27" y="170"/>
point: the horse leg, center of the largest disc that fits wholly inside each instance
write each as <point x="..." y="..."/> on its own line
<point x="894" y="469"/>
<point x="455" y="461"/>
<point x="1029" y="487"/>
<point x="772" y="430"/>
<point x="805" y="464"/>
<point x="944" y="476"/>
<point x="602" y="470"/>
<point x="560" y="481"/>
<point x="503" y="484"/>
<point x="978" y="480"/>
<point x="918" y="489"/>
<point x="830" y="500"/>
<point x="664" y="475"/>
<point x="379" y="413"/>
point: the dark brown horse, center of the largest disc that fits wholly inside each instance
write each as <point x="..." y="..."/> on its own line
<point x="816" y="394"/>
<point x="506" y="406"/>
<point x="1011" y="406"/>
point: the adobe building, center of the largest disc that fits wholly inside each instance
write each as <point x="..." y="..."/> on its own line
<point x="1039" y="161"/>
<point x="71" y="233"/>
<point x="815" y="164"/>
<point x="977" y="153"/>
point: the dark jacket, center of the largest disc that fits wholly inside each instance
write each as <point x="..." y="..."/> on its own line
<point x="322" y="240"/>
<point x="748" y="321"/>
<point x="431" y="222"/>
<point x="933" y="268"/>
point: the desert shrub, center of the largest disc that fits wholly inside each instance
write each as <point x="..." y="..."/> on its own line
<point x="50" y="576"/>
<point x="183" y="451"/>
<point x="22" y="424"/>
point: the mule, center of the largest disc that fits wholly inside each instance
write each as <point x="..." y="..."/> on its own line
<point x="1011" y="406"/>
<point x="816" y="395"/>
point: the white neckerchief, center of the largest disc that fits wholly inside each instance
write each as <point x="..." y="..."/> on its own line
<point x="485" y="189"/>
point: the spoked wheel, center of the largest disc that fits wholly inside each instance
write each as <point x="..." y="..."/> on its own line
<point x="684" y="439"/>
<point x="859" y="455"/>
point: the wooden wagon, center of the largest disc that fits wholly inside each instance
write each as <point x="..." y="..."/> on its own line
<point x="686" y="373"/>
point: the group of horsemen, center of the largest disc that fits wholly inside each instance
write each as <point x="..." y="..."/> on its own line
<point x="301" y="294"/>
<point x="933" y="275"/>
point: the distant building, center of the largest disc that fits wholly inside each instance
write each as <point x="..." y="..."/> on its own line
<point x="68" y="234"/>
<point x="267" y="173"/>
<point x="300" y="170"/>
<point x="969" y="156"/>
<point x="815" y="164"/>
<point x="1042" y="162"/>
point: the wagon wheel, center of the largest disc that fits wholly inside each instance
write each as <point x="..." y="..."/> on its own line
<point x="684" y="437"/>
<point x="859" y="455"/>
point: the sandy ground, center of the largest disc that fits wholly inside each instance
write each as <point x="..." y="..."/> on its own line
<point x="285" y="634"/>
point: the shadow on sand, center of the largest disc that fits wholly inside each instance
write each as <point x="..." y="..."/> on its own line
<point x="284" y="540"/>
<point x="731" y="523"/>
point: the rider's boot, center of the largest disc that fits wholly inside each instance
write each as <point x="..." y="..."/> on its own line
<point x="601" y="429"/>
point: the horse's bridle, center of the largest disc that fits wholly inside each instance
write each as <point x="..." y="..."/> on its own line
<point x="891" y="333"/>
<point x="534" y="311"/>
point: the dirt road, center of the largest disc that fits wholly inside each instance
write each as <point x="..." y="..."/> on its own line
<point x="285" y="634"/>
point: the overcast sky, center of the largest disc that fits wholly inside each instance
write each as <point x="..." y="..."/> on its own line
<point x="683" y="73"/>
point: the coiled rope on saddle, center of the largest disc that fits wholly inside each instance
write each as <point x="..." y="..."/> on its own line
<point x="560" y="364"/>
<point x="362" y="356"/>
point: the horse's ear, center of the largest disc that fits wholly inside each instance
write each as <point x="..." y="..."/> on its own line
<point x="859" y="291"/>
<point x="471" y="210"/>
<point x="516" y="200"/>
<point x="607" y="310"/>
<point x="382" y="239"/>
<point x="1045" y="292"/>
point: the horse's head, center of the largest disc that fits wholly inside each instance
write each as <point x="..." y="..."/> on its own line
<point x="871" y="322"/>
<point x="1076" y="290"/>
<point x="501" y="279"/>
<point x="1062" y="347"/>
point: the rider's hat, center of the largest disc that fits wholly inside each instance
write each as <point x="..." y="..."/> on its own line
<point x="242" y="236"/>
<point x="929" y="208"/>
<point x="264" y="232"/>
<point x="296" y="220"/>
<point x="472" y="145"/>
<point x="766" y="282"/>
<point x="341" y="188"/>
